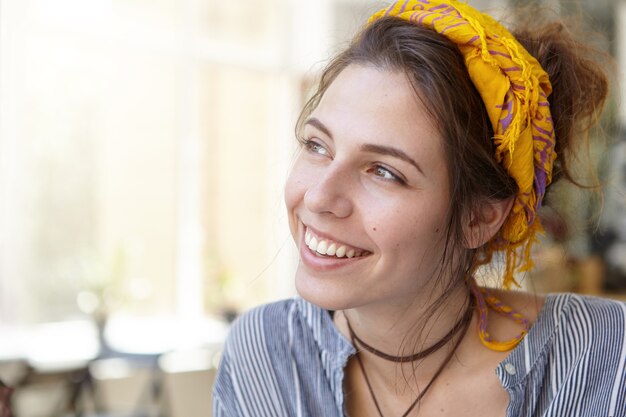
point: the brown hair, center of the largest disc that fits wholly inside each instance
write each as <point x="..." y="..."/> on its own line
<point x="436" y="69"/>
<point x="580" y="86"/>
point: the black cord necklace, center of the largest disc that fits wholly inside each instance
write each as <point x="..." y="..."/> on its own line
<point x="419" y="355"/>
<point x="462" y="324"/>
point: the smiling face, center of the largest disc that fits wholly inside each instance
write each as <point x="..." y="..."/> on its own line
<point x="368" y="195"/>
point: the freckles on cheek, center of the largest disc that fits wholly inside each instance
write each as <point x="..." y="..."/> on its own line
<point x="422" y="232"/>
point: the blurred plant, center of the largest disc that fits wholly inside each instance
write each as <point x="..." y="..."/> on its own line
<point x="103" y="287"/>
<point x="218" y="286"/>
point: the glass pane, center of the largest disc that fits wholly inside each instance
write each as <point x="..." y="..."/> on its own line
<point x="253" y="23"/>
<point x="238" y="177"/>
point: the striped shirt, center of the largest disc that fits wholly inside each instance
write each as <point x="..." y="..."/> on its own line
<point x="288" y="359"/>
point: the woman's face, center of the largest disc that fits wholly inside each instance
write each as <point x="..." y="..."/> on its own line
<point x="368" y="195"/>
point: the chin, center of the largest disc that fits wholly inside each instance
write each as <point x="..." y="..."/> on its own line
<point x="324" y="293"/>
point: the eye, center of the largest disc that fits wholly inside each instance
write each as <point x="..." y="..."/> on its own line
<point x="315" y="147"/>
<point x="386" y="174"/>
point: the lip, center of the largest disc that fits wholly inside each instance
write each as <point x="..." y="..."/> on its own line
<point x="325" y="263"/>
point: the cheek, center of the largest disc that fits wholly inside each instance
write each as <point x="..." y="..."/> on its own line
<point x="413" y="227"/>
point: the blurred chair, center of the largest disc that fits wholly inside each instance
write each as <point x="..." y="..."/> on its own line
<point x="50" y="393"/>
<point x="188" y="378"/>
<point x="125" y="387"/>
<point x="56" y="357"/>
<point x="13" y="371"/>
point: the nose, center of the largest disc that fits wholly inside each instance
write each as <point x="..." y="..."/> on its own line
<point x="330" y="194"/>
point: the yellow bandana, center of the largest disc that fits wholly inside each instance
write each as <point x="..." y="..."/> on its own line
<point x="515" y="89"/>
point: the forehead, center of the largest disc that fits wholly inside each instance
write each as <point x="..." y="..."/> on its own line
<point x="379" y="106"/>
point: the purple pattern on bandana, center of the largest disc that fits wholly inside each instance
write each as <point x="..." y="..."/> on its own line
<point x="517" y="87"/>
<point x="540" y="186"/>
<point x="457" y="13"/>
<point x="441" y="6"/>
<point x="505" y="122"/>
<point x="502" y="106"/>
<point x="453" y="26"/>
<point x="492" y="52"/>
<point x="546" y="151"/>
<point x="507" y="100"/>
<point x="511" y="69"/>
<point x="422" y="17"/>
<point x="543" y="153"/>
<point x="473" y="39"/>
<point x="403" y="6"/>
<point x="542" y="139"/>
<point x="452" y="10"/>
<point x="421" y="6"/>
<point x="435" y="20"/>
<point x="548" y="133"/>
<point x="540" y="174"/>
<point x="544" y="104"/>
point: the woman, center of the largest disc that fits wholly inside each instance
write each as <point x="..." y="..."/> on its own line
<point x="427" y="149"/>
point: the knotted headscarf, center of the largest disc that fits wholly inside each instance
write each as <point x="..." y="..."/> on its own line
<point x="515" y="90"/>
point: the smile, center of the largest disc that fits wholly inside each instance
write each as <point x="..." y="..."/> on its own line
<point x="326" y="247"/>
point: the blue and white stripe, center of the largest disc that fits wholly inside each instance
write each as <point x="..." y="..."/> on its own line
<point x="287" y="359"/>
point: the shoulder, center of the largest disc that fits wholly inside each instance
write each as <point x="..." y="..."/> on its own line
<point x="571" y="312"/>
<point x="251" y="374"/>
<point x="253" y="329"/>
<point x="272" y="354"/>
<point x="577" y="312"/>
<point x="279" y="326"/>
<point x="582" y="323"/>
<point x="585" y="353"/>
<point x="585" y="333"/>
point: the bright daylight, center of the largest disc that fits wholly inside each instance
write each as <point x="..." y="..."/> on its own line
<point x="144" y="150"/>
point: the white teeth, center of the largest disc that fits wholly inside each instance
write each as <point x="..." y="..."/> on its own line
<point x="329" y="248"/>
<point x="322" y="247"/>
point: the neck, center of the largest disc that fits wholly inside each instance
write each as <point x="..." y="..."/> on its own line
<point x="404" y="330"/>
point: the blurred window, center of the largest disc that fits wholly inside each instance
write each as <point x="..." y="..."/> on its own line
<point x="144" y="145"/>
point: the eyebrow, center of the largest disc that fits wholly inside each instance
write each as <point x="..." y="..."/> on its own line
<point x="319" y="125"/>
<point x="391" y="151"/>
<point x="369" y="147"/>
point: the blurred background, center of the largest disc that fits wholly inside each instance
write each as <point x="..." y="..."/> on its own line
<point x="143" y="149"/>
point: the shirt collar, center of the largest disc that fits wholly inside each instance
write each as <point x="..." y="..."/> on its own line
<point x="326" y="335"/>
<point x="515" y="369"/>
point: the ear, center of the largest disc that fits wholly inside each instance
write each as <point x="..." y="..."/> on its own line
<point x="486" y="221"/>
